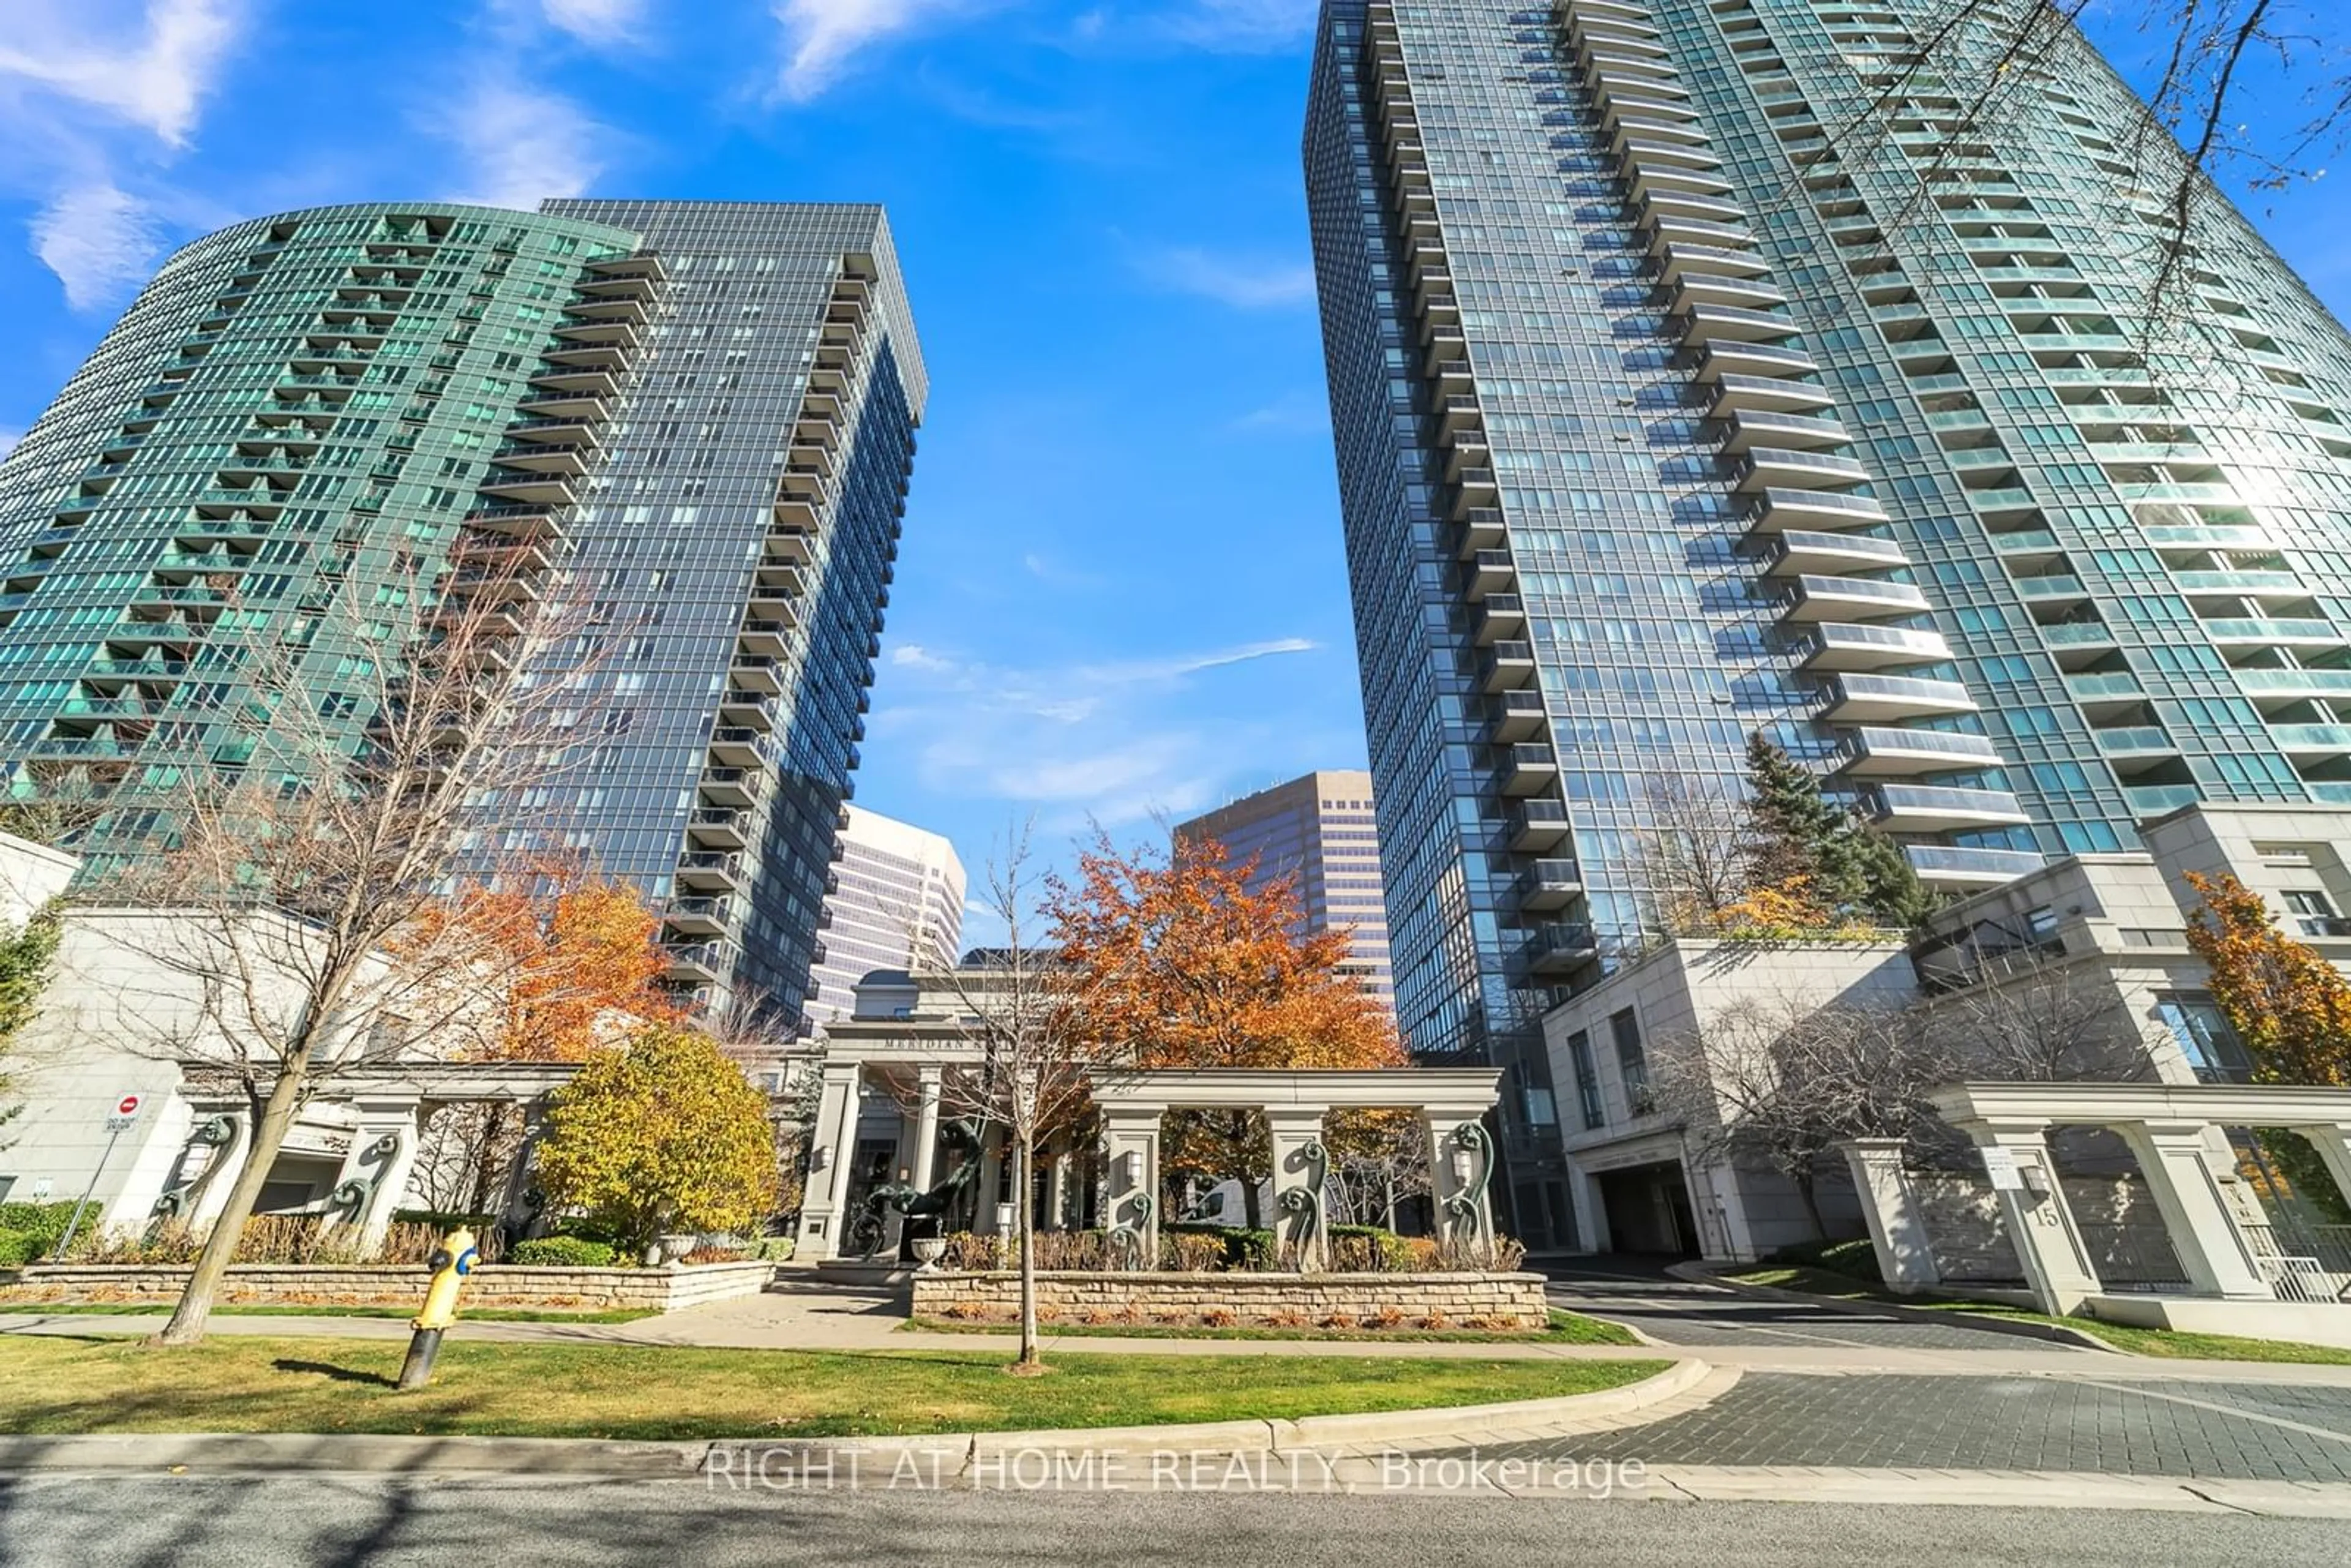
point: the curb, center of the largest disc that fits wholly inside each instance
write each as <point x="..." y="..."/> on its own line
<point x="285" y="1453"/>
<point x="2049" y="1333"/>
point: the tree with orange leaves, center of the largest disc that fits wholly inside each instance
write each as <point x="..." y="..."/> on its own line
<point x="1185" y="966"/>
<point x="2290" y="1008"/>
<point x="576" y="960"/>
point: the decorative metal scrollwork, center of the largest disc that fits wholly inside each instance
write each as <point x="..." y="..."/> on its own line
<point x="1305" y="1200"/>
<point x="1127" y="1238"/>
<point x="1467" y="1209"/>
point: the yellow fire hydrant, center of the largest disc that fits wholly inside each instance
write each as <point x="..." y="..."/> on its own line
<point x="451" y="1262"/>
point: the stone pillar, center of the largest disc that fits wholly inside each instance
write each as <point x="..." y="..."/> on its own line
<point x="993" y="1153"/>
<point x="832" y="1148"/>
<point x="1461" y="1170"/>
<point x="1057" y="1191"/>
<point x="376" y="1167"/>
<point x="2333" y="1142"/>
<point x="1130" y="1147"/>
<point x="1590" y="1214"/>
<point x="2173" y="1158"/>
<point x="927" y="1127"/>
<point x="2039" y="1226"/>
<point x="1300" y="1167"/>
<point x="1897" y="1226"/>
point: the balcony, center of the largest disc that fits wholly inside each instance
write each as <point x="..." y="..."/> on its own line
<point x="1737" y="393"/>
<point x="2240" y="584"/>
<point x="1537" y="825"/>
<point x="565" y="459"/>
<point x="700" y="915"/>
<point x="739" y="708"/>
<point x="734" y="747"/>
<point x="1873" y="752"/>
<point x="1780" y="511"/>
<point x="1793" y="432"/>
<point x="1709" y="324"/>
<point x="1549" y="884"/>
<point x="1499" y="616"/>
<point x="701" y="963"/>
<point x="2150" y="801"/>
<point x="1521" y="716"/>
<point x="584" y="383"/>
<point x="1482" y="528"/>
<point x="1755" y="362"/>
<point x="1508" y="666"/>
<point x="2140" y="742"/>
<point x="719" y="827"/>
<point x="1811" y="599"/>
<point x="756" y="673"/>
<point x="1863" y="699"/>
<point x="1531" y="768"/>
<point x="1559" y="947"/>
<point x="710" y="868"/>
<point x="521" y="524"/>
<point x="1944" y="866"/>
<point x="763" y="637"/>
<point x="1774" y="467"/>
<point x="1932" y="808"/>
<point x="2291" y="685"/>
<point x="1492" y="572"/>
<point x="530" y="489"/>
<point x="1797" y="551"/>
<point x="1844" y="646"/>
<point x="2274" y="633"/>
<point x="732" y="786"/>
<point x="2311" y="739"/>
<point x="1697" y="290"/>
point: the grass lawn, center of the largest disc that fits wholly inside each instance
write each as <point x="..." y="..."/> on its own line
<point x="1565" y="1328"/>
<point x="2172" y="1343"/>
<point x="473" y="1314"/>
<point x="661" y="1392"/>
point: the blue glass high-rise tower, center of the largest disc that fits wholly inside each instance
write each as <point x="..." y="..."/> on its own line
<point x="1702" y="367"/>
<point x="699" y="416"/>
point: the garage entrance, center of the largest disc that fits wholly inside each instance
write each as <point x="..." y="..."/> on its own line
<point x="1649" y="1210"/>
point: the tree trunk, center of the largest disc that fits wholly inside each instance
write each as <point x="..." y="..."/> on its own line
<point x="1252" y="1210"/>
<point x="195" y="1303"/>
<point x="485" y="1161"/>
<point x="1024" y="1222"/>
<point x="1807" y="1188"/>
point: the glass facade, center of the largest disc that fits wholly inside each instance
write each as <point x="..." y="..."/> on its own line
<point x="1708" y="367"/>
<point x="699" y="414"/>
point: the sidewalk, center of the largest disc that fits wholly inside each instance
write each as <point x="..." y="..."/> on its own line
<point x="867" y="1323"/>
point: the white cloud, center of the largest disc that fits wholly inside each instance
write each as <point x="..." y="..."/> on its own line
<point x="77" y="50"/>
<point x="1087" y="742"/>
<point x="101" y="242"/>
<point x="519" y="144"/>
<point x="599" y="22"/>
<point x="1243" y="283"/>
<point x="820" y="36"/>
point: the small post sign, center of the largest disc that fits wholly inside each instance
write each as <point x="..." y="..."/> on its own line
<point x="118" y="1121"/>
<point x="2000" y="1165"/>
<point x="124" y="1115"/>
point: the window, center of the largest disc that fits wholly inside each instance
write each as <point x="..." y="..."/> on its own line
<point x="2211" y="1046"/>
<point x="1587" y="1082"/>
<point x="2314" y="914"/>
<point x="1632" y="1062"/>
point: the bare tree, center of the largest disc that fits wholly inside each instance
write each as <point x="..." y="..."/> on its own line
<point x="1024" y="1014"/>
<point x="1693" y="848"/>
<point x="1381" y="1160"/>
<point x="1782" y="1083"/>
<point x="290" y="888"/>
<point x="2039" y="1023"/>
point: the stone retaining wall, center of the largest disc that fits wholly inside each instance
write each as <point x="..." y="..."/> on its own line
<point x="371" y="1285"/>
<point x="1462" y="1300"/>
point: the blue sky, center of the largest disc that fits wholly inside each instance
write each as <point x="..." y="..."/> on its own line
<point x="1121" y="590"/>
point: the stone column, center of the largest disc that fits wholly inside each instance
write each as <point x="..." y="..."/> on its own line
<point x="1461" y="1169"/>
<point x="993" y="1153"/>
<point x="382" y="1152"/>
<point x="1897" y="1226"/>
<point x="1057" y="1191"/>
<point x="832" y="1149"/>
<point x="2333" y="1142"/>
<point x="927" y="1127"/>
<point x="2039" y="1226"/>
<point x="1590" y="1214"/>
<point x="2173" y="1159"/>
<point x="1301" y="1165"/>
<point x="1130" y="1145"/>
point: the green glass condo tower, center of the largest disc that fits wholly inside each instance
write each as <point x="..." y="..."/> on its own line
<point x="1702" y="367"/>
<point x="699" y="416"/>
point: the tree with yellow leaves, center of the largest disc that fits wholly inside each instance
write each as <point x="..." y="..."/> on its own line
<point x="2290" y="1008"/>
<point x="662" y="1133"/>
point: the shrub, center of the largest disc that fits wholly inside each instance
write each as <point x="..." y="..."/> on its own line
<point x="19" y="1248"/>
<point x="1088" y="1249"/>
<point x="1250" y="1250"/>
<point x="709" y="1254"/>
<point x="444" y="1220"/>
<point x="972" y="1253"/>
<point x="1218" y="1318"/>
<point x="1437" y="1323"/>
<point x="1368" y="1250"/>
<point x="1385" y="1318"/>
<point x="564" y="1252"/>
<point x="44" y="1222"/>
<point x="1191" y="1254"/>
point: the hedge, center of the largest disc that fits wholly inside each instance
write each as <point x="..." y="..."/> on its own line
<point x="563" y="1252"/>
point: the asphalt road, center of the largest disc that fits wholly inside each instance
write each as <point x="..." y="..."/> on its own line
<point x="170" y="1523"/>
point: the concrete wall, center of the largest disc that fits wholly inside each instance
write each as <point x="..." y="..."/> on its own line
<point x="1501" y="1301"/>
<point x="491" y="1285"/>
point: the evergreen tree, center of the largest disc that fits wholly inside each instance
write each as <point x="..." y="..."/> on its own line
<point x="25" y="956"/>
<point x="1794" y="834"/>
